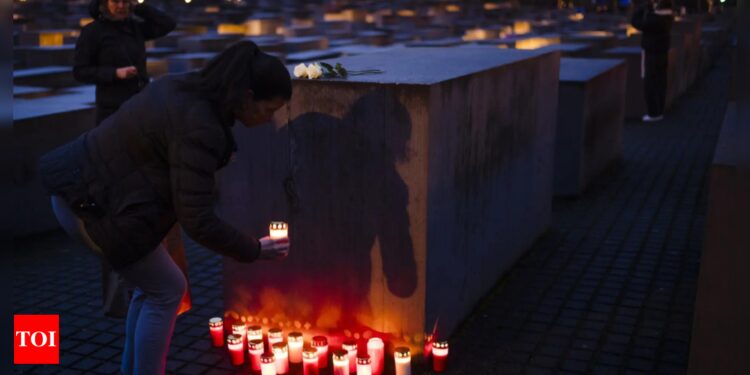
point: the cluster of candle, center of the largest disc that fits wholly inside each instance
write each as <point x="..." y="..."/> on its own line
<point x="274" y="355"/>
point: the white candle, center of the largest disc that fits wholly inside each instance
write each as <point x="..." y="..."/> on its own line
<point x="216" y="327"/>
<point x="296" y="342"/>
<point x="402" y="358"/>
<point x="278" y="229"/>
<point x="320" y="343"/>
<point x="340" y="362"/>
<point x="255" y="349"/>
<point x="267" y="364"/>
<point x="240" y="329"/>
<point x="310" y="361"/>
<point x="254" y="333"/>
<point x="376" y="350"/>
<point x="364" y="365"/>
<point x="282" y="358"/>
<point x="275" y="336"/>
<point x="351" y="347"/>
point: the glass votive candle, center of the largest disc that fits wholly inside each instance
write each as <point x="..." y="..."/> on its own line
<point x="267" y="364"/>
<point x="439" y="355"/>
<point x="320" y="343"/>
<point x="402" y="359"/>
<point x="295" y="341"/>
<point x="278" y="229"/>
<point x="254" y="333"/>
<point x="340" y="362"/>
<point x="275" y="336"/>
<point x="310" y="361"/>
<point x="351" y="347"/>
<point x="236" y="354"/>
<point x="376" y="350"/>
<point x="240" y="329"/>
<point x="281" y="353"/>
<point x="364" y="364"/>
<point x="216" y="327"/>
<point x="255" y="348"/>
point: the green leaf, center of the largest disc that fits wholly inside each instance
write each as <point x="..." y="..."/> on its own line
<point x="327" y="66"/>
<point x="341" y="70"/>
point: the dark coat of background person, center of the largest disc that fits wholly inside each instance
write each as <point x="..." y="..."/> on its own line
<point x="105" y="45"/>
<point x="150" y="164"/>
<point x="655" y="28"/>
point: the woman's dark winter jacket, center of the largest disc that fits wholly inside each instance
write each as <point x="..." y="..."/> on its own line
<point x="656" y="29"/>
<point x="148" y="165"/>
<point x="105" y="45"/>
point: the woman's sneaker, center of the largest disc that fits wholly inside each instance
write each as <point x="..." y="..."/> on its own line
<point x="647" y="118"/>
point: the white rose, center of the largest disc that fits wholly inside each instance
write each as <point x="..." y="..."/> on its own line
<point x="300" y="71"/>
<point x="314" y="71"/>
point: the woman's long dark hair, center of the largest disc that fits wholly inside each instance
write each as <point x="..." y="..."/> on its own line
<point x="242" y="67"/>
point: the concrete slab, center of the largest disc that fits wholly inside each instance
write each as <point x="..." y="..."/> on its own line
<point x="590" y="116"/>
<point x="48" y="76"/>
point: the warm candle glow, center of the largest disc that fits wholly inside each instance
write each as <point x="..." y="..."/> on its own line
<point x="254" y="333"/>
<point x="216" y="327"/>
<point x="376" y="350"/>
<point x="268" y="364"/>
<point x="240" y="329"/>
<point x="439" y="355"/>
<point x="351" y="347"/>
<point x="282" y="357"/>
<point x="320" y="343"/>
<point x="234" y="344"/>
<point x="310" y="361"/>
<point x="275" y="336"/>
<point x="402" y="358"/>
<point x="278" y="229"/>
<point x="295" y="341"/>
<point x="255" y="349"/>
<point x="340" y="362"/>
<point x="364" y="365"/>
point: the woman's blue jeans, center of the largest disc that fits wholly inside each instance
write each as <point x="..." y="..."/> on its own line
<point x="160" y="286"/>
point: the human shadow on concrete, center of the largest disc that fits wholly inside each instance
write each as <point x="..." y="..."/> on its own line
<point x="349" y="195"/>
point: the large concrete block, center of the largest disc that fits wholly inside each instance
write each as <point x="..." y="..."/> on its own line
<point x="590" y="116"/>
<point x="599" y="40"/>
<point x="186" y="62"/>
<point x="48" y="76"/>
<point x="207" y="43"/>
<point x="569" y="49"/>
<point x="721" y="331"/>
<point x="410" y="192"/>
<point x="48" y="56"/>
<point x="305" y="43"/>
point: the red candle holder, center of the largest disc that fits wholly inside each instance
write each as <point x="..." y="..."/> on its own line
<point x="351" y="347"/>
<point x="320" y="343"/>
<point x="310" y="361"/>
<point x="439" y="356"/>
<point x="216" y="327"/>
<point x="275" y="336"/>
<point x="254" y="333"/>
<point x="237" y="355"/>
<point x="281" y="352"/>
<point x="402" y="360"/>
<point x="255" y="349"/>
<point x="296" y="342"/>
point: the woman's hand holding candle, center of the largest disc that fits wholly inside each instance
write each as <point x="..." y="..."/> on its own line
<point x="274" y="248"/>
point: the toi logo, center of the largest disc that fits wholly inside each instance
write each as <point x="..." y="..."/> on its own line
<point x="37" y="339"/>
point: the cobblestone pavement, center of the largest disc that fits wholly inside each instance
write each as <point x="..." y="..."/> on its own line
<point x="608" y="290"/>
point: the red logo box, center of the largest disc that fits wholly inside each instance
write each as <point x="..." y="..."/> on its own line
<point x="37" y="339"/>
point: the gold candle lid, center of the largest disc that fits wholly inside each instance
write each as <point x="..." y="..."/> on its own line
<point x="215" y="322"/>
<point x="275" y="332"/>
<point x="440" y="345"/>
<point x="267" y="358"/>
<point x="279" y="347"/>
<point x="234" y="339"/>
<point x="364" y="359"/>
<point x="340" y="355"/>
<point x="295" y="337"/>
<point x="401" y="352"/>
<point x="255" y="344"/>
<point x="310" y="353"/>
<point x="349" y="345"/>
<point x="319" y="341"/>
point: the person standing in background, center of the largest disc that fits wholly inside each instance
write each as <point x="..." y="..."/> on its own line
<point x="654" y="20"/>
<point x="111" y="50"/>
